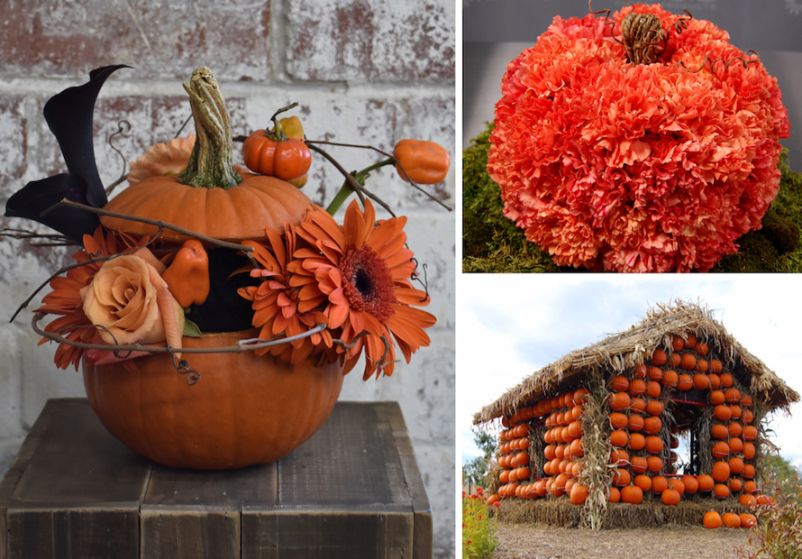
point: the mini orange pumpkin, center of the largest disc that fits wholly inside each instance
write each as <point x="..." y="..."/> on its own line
<point x="632" y="495"/>
<point x="421" y="161"/>
<point x="670" y="497"/>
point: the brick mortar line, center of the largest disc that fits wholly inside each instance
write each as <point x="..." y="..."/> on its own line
<point x="389" y="90"/>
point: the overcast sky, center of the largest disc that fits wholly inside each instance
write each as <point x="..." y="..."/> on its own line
<point x="512" y="325"/>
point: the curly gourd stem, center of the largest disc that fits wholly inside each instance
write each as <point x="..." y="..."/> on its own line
<point x="210" y="164"/>
<point x="643" y="38"/>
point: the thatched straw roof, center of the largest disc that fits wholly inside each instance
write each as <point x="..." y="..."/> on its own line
<point x="622" y="351"/>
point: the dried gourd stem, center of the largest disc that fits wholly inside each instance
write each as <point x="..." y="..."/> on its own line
<point x="643" y="37"/>
<point x="210" y="164"/>
<point x="155" y="222"/>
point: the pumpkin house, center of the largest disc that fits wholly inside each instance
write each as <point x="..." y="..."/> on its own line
<point x="658" y="424"/>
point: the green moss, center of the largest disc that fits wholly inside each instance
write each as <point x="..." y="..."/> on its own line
<point x="492" y="243"/>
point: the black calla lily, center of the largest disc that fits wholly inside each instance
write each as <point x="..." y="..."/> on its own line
<point x="69" y="116"/>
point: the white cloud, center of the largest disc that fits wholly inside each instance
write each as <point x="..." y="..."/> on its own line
<point x="512" y="325"/>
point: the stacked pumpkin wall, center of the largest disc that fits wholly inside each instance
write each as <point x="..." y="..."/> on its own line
<point x="541" y="450"/>
<point x="642" y="429"/>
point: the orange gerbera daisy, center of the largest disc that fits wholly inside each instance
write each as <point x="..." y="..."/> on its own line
<point x="364" y="271"/>
<point x="65" y="299"/>
<point x="282" y="310"/>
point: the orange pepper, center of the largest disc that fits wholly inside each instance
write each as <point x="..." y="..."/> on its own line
<point x="421" y="161"/>
<point x="188" y="275"/>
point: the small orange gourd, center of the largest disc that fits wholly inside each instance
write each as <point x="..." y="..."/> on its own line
<point x="421" y="161"/>
<point x="731" y="520"/>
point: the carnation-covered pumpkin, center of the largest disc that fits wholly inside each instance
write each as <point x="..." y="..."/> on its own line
<point x="215" y="310"/>
<point x="637" y="141"/>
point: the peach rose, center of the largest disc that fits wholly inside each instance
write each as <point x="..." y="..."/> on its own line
<point x="128" y="299"/>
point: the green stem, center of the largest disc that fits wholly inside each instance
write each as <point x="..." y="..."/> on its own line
<point x="210" y="164"/>
<point x="345" y="190"/>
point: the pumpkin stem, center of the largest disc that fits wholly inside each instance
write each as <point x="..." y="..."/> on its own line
<point x="643" y="37"/>
<point x="210" y="164"/>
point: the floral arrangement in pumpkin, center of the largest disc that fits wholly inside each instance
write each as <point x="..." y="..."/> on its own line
<point x="196" y="244"/>
<point x="638" y="141"/>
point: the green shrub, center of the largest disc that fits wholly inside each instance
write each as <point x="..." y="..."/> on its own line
<point x="478" y="526"/>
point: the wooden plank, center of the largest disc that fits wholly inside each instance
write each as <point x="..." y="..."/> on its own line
<point x="78" y="463"/>
<point x="79" y="492"/>
<point x="188" y="513"/>
<point x="422" y="539"/>
<point x="13" y="475"/>
<point x="169" y="533"/>
<point x="73" y="533"/>
<point x="175" y="487"/>
<point x="351" y="461"/>
<point x="326" y="535"/>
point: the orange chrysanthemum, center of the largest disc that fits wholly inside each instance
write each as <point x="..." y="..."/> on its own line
<point x="65" y="299"/>
<point x="282" y="310"/>
<point x="364" y="271"/>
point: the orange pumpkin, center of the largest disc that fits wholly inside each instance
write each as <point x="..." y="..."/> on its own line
<point x="579" y="494"/>
<point x="653" y="389"/>
<point x="221" y="422"/>
<point x="691" y="484"/>
<point x="749" y="471"/>
<point x="720" y="449"/>
<point x="702" y="348"/>
<point x="655" y="408"/>
<point x="688" y="361"/>
<point x="706" y="483"/>
<point x="750" y="487"/>
<point x="701" y="381"/>
<point x="632" y="495"/>
<point x="721" y="491"/>
<point x="659" y="357"/>
<point x="637" y="405"/>
<point x="715" y="366"/>
<point x="644" y="482"/>
<point x="654" y="445"/>
<point x="652" y="425"/>
<point x="670" y="378"/>
<point x="655" y="373"/>
<point x="716" y="397"/>
<point x="654" y="464"/>
<point x="659" y="484"/>
<point x="719" y="431"/>
<point x="639" y="464"/>
<point x="749" y="433"/>
<point x="727" y="380"/>
<point x="685" y="382"/>
<point x="637" y="441"/>
<point x="615" y="495"/>
<point x="748" y="520"/>
<point x="619" y="383"/>
<point x="722" y="413"/>
<point x="640" y="371"/>
<point x="731" y="520"/>
<point x="677" y="485"/>
<point x="637" y="387"/>
<point x="619" y="438"/>
<point x="721" y="471"/>
<point x="747" y="500"/>
<point x="621" y="477"/>
<point x="670" y="497"/>
<point x="619" y="401"/>
<point x="618" y="420"/>
<point x="677" y="343"/>
<point x="712" y="520"/>
<point x="635" y="422"/>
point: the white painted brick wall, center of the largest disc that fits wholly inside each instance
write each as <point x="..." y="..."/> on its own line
<point x="366" y="71"/>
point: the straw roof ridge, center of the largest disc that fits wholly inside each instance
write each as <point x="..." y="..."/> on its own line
<point x="619" y="352"/>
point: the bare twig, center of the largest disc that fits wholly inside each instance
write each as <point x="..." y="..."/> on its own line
<point x="123" y="127"/>
<point x="249" y="344"/>
<point x="352" y="182"/>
